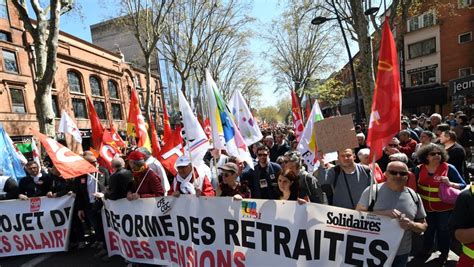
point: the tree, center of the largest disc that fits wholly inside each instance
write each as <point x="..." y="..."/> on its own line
<point x="331" y="91"/>
<point x="298" y="50"/>
<point x="146" y="18"/>
<point x="284" y="109"/>
<point x="45" y="34"/>
<point x="269" y="114"/>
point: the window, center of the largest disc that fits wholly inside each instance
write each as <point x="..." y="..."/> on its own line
<point x="3" y="9"/>
<point x="95" y="86"/>
<point x="141" y="100"/>
<point x="464" y="3"/>
<point x="423" y="48"/>
<point x="100" y="109"/>
<point x="113" y="89"/>
<point x="5" y="36"/>
<point x="74" y="82"/>
<point x="18" y="101"/>
<point x="116" y="111"/>
<point x="79" y="107"/>
<point x="137" y="82"/>
<point x="465" y="37"/>
<point x="465" y="72"/>
<point x="55" y="106"/>
<point x="423" y="77"/>
<point x="9" y="60"/>
<point x="424" y="20"/>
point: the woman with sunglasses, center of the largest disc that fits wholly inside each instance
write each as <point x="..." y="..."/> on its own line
<point x="230" y="187"/>
<point x="433" y="171"/>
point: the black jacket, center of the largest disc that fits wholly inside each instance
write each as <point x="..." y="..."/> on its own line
<point x="80" y="188"/>
<point x="11" y="189"/>
<point x="119" y="183"/>
<point x="61" y="186"/>
<point x="29" y="188"/>
<point x="263" y="182"/>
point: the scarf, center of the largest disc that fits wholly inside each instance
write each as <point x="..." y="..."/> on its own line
<point x="186" y="186"/>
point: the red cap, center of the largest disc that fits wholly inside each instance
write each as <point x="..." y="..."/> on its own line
<point x="136" y="155"/>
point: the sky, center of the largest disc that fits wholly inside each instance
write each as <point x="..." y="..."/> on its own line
<point x="95" y="11"/>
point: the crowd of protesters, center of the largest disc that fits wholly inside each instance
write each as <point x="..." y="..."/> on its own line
<point x="426" y="152"/>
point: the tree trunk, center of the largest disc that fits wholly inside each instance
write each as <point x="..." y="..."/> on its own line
<point x="148" y="87"/>
<point x="44" y="109"/>
<point x="366" y="77"/>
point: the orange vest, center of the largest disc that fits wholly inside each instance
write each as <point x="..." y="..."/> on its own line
<point x="467" y="256"/>
<point x="428" y="188"/>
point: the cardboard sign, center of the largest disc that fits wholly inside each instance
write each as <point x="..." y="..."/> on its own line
<point x="333" y="134"/>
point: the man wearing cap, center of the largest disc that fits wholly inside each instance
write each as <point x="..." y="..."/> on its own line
<point x="146" y="182"/>
<point x="189" y="180"/>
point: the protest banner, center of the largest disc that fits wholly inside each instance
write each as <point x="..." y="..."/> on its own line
<point x="334" y="134"/>
<point x="37" y="225"/>
<point x="192" y="231"/>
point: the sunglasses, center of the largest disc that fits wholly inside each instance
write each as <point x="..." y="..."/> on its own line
<point x="435" y="153"/>
<point x="262" y="155"/>
<point x="401" y="173"/>
<point x="392" y="145"/>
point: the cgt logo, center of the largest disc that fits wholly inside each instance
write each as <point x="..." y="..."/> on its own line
<point x="249" y="210"/>
<point x="35" y="204"/>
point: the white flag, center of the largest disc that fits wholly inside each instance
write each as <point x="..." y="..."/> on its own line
<point x="245" y="121"/>
<point x="35" y="152"/>
<point x="67" y="125"/>
<point x="197" y="142"/>
<point x="307" y="145"/>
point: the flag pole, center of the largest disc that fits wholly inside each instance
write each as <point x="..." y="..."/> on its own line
<point x="372" y="171"/>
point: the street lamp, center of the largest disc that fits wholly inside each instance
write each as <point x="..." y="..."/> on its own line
<point x="321" y="20"/>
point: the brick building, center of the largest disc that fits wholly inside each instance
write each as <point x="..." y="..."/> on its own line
<point x="437" y="59"/>
<point x="83" y="68"/>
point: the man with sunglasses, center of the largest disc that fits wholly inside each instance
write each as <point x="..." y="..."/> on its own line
<point x="398" y="201"/>
<point x="263" y="179"/>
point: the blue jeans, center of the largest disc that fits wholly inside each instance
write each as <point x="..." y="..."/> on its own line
<point x="437" y="226"/>
<point x="400" y="260"/>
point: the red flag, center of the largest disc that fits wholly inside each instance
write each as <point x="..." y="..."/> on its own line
<point x="167" y="132"/>
<point x="207" y="127"/>
<point x="96" y="126"/>
<point x="136" y="126"/>
<point x="171" y="151"/>
<point x="68" y="163"/>
<point x="107" y="153"/>
<point x="386" y="105"/>
<point x="297" y="120"/>
<point x="155" y="145"/>
<point x="115" y="136"/>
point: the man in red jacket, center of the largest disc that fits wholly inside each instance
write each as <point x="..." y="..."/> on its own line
<point x="146" y="183"/>
<point x="407" y="144"/>
<point x="189" y="180"/>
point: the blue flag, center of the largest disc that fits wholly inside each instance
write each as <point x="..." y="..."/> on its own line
<point x="9" y="162"/>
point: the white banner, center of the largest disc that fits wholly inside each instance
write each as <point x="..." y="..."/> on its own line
<point x="37" y="225"/>
<point x="191" y="231"/>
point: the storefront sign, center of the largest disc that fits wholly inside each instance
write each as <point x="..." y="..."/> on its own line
<point x="462" y="86"/>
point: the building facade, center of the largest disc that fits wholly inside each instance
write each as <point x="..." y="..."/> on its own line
<point x="83" y="69"/>
<point x="436" y="60"/>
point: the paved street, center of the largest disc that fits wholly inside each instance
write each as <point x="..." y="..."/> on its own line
<point x="84" y="257"/>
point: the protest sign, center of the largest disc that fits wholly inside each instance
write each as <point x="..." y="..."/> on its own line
<point x="191" y="231"/>
<point x="37" y="225"/>
<point x="334" y="134"/>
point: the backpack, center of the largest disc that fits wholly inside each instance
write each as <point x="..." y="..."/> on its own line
<point x="329" y="189"/>
<point x="372" y="202"/>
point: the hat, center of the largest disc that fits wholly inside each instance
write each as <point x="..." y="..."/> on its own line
<point x="136" y="156"/>
<point x="230" y="166"/>
<point x="182" y="161"/>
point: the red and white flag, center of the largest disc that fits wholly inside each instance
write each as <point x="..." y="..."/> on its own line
<point x="116" y="137"/>
<point x="35" y="152"/>
<point x="68" y="126"/>
<point x="386" y="105"/>
<point x="297" y="119"/>
<point x="171" y="151"/>
<point x="96" y="126"/>
<point x="68" y="163"/>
